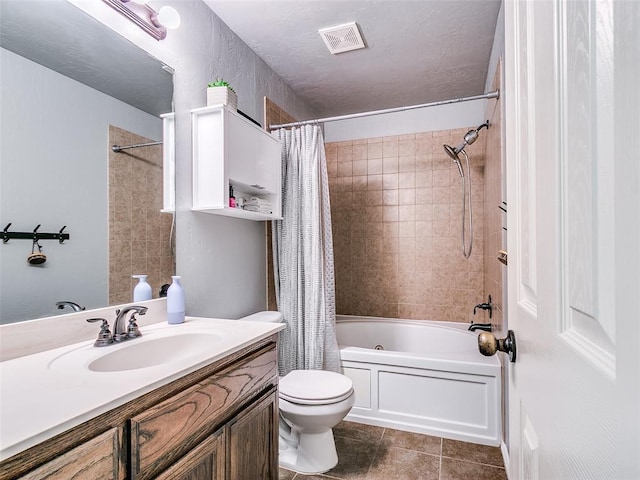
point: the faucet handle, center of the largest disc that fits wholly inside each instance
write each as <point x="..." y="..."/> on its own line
<point x="133" y="331"/>
<point x="484" y="306"/>
<point x="104" y="336"/>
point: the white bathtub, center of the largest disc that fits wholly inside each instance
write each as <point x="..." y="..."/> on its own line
<point x="421" y="376"/>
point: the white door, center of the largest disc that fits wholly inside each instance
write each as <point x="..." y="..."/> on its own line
<point x="572" y="133"/>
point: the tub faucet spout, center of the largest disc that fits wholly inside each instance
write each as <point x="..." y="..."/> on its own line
<point x="480" y="326"/>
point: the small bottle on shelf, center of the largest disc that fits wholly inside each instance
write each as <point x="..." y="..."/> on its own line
<point x="232" y="199"/>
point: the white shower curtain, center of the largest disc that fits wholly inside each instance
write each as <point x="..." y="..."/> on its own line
<point x="303" y="256"/>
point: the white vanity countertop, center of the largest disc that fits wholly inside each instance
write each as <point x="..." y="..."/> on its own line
<point x="49" y="392"/>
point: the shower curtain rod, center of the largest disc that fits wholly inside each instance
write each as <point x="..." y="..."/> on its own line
<point x="495" y="94"/>
<point x="118" y="148"/>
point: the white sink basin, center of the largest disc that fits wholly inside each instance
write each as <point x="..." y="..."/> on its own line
<point x="143" y="352"/>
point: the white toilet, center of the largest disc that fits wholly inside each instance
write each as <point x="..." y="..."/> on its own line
<point x="311" y="403"/>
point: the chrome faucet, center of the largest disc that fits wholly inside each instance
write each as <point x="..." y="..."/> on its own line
<point x="72" y="305"/>
<point x="121" y="334"/>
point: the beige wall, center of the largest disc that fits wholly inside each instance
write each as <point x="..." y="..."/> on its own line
<point x="494" y="217"/>
<point x="139" y="234"/>
<point x="396" y="205"/>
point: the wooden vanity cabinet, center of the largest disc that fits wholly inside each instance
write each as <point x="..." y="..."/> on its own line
<point x="234" y="399"/>
<point x="219" y="422"/>
<point x="243" y="449"/>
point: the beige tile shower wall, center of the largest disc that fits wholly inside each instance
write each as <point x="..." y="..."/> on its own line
<point x="494" y="218"/>
<point x="396" y="205"/>
<point x="139" y="234"/>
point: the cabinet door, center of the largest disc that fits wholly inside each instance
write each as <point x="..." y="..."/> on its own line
<point x="204" y="462"/>
<point x="96" y="459"/>
<point x="252" y="441"/>
<point x="240" y="150"/>
<point x="252" y="156"/>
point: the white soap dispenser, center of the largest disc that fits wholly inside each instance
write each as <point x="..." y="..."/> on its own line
<point x="175" y="302"/>
<point x="142" y="290"/>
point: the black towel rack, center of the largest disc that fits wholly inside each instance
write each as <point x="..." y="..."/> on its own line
<point x="35" y="235"/>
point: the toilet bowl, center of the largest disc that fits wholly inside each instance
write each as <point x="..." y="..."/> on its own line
<point x="311" y="403"/>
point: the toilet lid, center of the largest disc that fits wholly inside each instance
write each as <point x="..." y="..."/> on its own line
<point x="315" y="387"/>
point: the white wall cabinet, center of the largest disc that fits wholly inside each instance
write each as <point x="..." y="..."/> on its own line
<point x="231" y="151"/>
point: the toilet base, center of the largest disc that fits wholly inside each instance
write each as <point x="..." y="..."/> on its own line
<point x="315" y="453"/>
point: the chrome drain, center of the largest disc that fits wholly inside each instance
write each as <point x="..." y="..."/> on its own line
<point x="379" y="347"/>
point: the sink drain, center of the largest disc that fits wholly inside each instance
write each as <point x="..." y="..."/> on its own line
<point x="379" y="347"/>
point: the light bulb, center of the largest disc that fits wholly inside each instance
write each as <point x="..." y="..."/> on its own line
<point x="169" y="17"/>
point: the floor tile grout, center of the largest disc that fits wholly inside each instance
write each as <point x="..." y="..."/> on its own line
<point x="365" y="437"/>
<point x="471" y="461"/>
<point x="375" y="453"/>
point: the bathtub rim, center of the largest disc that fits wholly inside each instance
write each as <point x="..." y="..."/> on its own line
<point x="458" y="326"/>
<point x="466" y="361"/>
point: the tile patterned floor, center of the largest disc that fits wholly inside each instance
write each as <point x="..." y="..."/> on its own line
<point x="366" y="452"/>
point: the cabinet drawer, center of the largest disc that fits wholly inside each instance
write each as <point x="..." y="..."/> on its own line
<point x="97" y="459"/>
<point x="165" y="432"/>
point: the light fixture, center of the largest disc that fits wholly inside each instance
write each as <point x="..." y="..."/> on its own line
<point x="169" y="17"/>
<point x="152" y="22"/>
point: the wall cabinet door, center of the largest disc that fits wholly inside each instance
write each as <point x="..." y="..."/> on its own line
<point x="205" y="462"/>
<point x="252" y="157"/>
<point x="252" y="441"/>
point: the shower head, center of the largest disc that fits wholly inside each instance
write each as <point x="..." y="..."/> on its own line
<point x="453" y="153"/>
<point x="469" y="137"/>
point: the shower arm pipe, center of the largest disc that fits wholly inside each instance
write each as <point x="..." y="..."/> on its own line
<point x="119" y="148"/>
<point x="494" y="94"/>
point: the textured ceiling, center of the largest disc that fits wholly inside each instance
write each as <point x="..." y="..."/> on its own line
<point x="417" y="51"/>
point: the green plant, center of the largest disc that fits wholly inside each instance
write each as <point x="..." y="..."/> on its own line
<point x="220" y="83"/>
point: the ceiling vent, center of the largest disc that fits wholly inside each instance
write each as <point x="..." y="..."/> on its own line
<point x="342" y="38"/>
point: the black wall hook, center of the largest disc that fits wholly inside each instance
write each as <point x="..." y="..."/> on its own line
<point x="35" y="236"/>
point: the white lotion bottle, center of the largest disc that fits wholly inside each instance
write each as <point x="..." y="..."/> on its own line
<point x="142" y="290"/>
<point x="175" y="302"/>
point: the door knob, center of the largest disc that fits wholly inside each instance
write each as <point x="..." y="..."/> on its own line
<point x="488" y="344"/>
